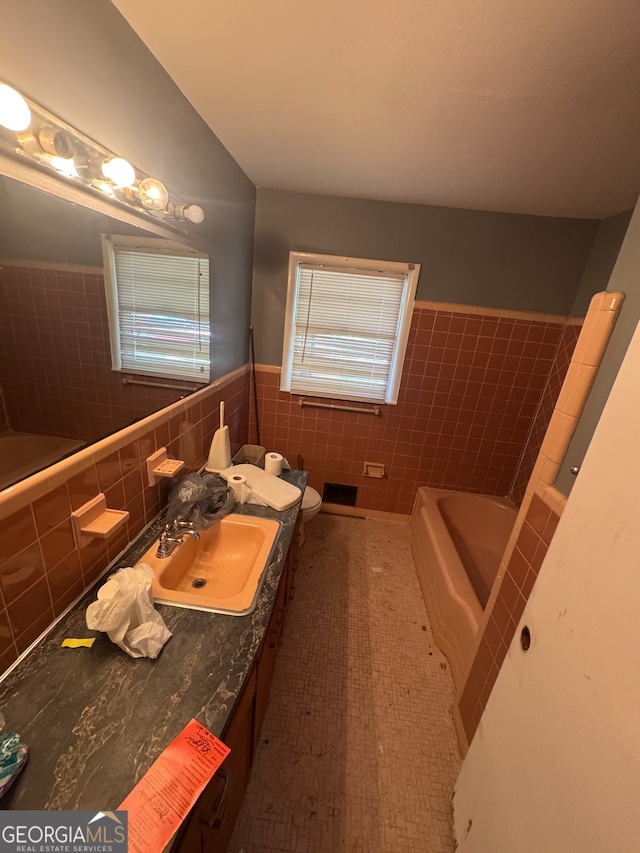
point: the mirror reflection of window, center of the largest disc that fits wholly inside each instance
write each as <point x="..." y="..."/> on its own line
<point x="158" y="306"/>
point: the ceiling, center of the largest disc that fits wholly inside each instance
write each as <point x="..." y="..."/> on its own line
<point x="523" y="106"/>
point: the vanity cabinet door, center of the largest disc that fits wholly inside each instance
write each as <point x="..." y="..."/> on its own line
<point x="292" y="560"/>
<point x="267" y="659"/>
<point x="213" y="818"/>
<point x="269" y="652"/>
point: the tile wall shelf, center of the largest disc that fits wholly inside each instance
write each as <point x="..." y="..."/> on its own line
<point x="94" y="521"/>
<point x="374" y="469"/>
<point x="159" y="466"/>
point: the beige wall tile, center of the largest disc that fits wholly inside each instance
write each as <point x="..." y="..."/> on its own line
<point x="558" y="435"/>
<point x="548" y="470"/>
<point x="553" y="498"/>
<point x="576" y="388"/>
<point x="594" y="337"/>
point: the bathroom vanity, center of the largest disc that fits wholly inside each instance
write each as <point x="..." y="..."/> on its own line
<point x="95" y="719"/>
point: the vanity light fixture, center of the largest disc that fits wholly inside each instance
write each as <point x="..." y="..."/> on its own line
<point x="34" y="135"/>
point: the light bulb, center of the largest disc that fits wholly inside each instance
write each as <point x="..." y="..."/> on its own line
<point x="14" y="110"/>
<point x="153" y="194"/>
<point x="119" y="172"/>
<point x="194" y="213"/>
<point x="190" y="212"/>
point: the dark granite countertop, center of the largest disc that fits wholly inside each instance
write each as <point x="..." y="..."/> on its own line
<point x="95" y="719"/>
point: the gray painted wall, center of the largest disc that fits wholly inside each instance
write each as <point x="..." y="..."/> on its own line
<point x="83" y="62"/>
<point x="497" y="260"/>
<point x="625" y="278"/>
<point x="602" y="260"/>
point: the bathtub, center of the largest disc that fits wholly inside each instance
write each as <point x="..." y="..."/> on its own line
<point x="22" y="454"/>
<point x="458" y="540"/>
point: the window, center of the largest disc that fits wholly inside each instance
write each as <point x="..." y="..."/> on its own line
<point x="346" y="326"/>
<point x="158" y="307"/>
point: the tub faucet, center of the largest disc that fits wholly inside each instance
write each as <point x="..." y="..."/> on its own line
<point x="173" y="535"/>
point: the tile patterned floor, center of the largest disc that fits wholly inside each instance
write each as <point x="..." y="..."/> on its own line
<point x="358" y="750"/>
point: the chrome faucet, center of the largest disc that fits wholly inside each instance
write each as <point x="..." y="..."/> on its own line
<point x="173" y="535"/>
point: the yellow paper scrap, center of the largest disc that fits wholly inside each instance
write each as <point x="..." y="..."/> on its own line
<point x="77" y="644"/>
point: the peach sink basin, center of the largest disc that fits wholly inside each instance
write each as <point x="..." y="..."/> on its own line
<point x="222" y="571"/>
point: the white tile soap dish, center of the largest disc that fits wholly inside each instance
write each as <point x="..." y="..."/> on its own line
<point x="94" y="521"/>
<point x="160" y="466"/>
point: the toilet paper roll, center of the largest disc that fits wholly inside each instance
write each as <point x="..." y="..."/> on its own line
<point x="238" y="485"/>
<point x="273" y="464"/>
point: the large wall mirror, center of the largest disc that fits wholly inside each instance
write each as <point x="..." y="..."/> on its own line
<point x="57" y="384"/>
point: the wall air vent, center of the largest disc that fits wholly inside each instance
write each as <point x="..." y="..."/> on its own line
<point x="338" y="493"/>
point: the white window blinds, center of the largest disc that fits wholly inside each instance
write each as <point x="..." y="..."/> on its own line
<point x="159" y="313"/>
<point x="345" y="329"/>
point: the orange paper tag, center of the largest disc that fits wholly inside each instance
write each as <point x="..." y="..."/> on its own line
<point x="163" y="797"/>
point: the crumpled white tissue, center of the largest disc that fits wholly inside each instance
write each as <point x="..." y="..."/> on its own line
<point x="125" y="611"/>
